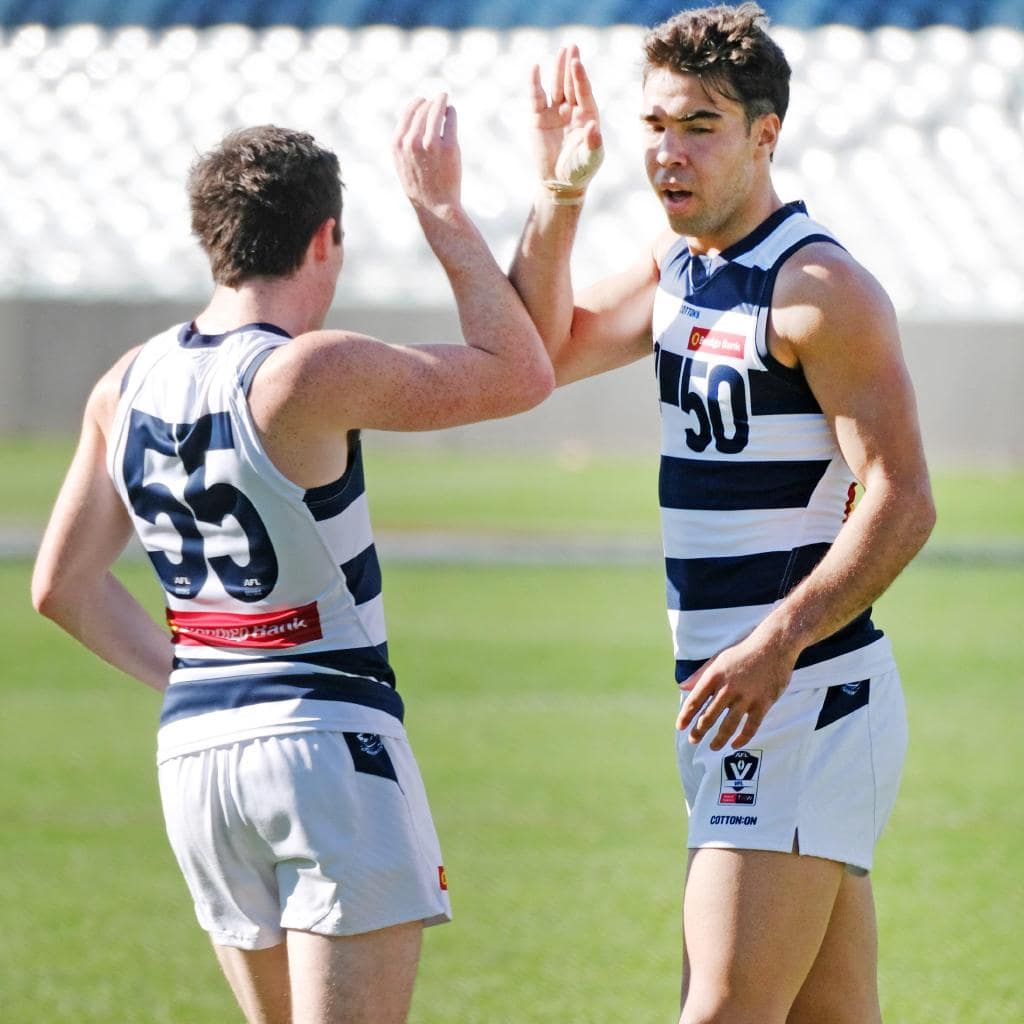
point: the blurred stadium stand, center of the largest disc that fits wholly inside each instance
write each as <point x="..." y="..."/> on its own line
<point x="905" y="135"/>
<point x="457" y="14"/>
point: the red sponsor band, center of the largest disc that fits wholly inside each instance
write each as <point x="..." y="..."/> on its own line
<point x="728" y="798"/>
<point x="721" y="343"/>
<point x="285" y="628"/>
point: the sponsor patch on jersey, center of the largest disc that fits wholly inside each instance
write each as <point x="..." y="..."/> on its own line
<point x="285" y="628"/>
<point x="719" y="343"/>
<point x="740" y="772"/>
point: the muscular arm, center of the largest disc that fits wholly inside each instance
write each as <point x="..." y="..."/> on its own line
<point x="72" y="583"/>
<point x="831" y="318"/>
<point x="327" y="382"/>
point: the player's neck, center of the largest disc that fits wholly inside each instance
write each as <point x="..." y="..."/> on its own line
<point x="742" y="222"/>
<point x="283" y="302"/>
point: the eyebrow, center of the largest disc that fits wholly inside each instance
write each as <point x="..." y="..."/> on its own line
<point x="697" y="115"/>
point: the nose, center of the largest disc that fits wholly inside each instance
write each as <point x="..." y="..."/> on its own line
<point x="671" y="151"/>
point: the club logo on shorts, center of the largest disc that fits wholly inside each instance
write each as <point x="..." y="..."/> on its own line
<point x="370" y="743"/>
<point x="740" y="772"/>
<point x="442" y="878"/>
<point x="370" y="755"/>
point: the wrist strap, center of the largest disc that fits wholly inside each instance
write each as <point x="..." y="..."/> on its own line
<point x="563" y="193"/>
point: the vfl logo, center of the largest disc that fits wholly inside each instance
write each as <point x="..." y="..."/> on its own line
<point x="740" y="772"/>
<point x="719" y="343"/>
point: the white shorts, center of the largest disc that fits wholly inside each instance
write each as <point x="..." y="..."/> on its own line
<point x="820" y="775"/>
<point x="326" y="832"/>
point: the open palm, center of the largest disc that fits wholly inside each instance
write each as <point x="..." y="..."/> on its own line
<point x="567" y="128"/>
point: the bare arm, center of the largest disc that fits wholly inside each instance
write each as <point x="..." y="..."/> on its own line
<point x="609" y="324"/>
<point x="831" y="318"/>
<point x="332" y="381"/>
<point x="72" y="583"/>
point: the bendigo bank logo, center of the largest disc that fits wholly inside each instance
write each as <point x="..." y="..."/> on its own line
<point x="442" y="878"/>
<point x="740" y="772"/>
<point x="718" y="343"/>
<point x="285" y="628"/>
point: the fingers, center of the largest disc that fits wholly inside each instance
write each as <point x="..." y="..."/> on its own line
<point x="434" y="127"/>
<point x="425" y="121"/>
<point x="572" y="56"/>
<point x="582" y="90"/>
<point x="712" y="699"/>
<point x="558" y="80"/>
<point x="746" y="734"/>
<point x="451" y="125"/>
<point x="410" y="116"/>
<point x="537" y="94"/>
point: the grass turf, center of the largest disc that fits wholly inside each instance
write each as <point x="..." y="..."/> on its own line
<point x="527" y="493"/>
<point x="540" y="706"/>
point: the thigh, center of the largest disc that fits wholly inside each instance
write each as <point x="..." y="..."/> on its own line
<point x="259" y="980"/>
<point x="842" y="986"/>
<point x="355" y="979"/>
<point x="753" y="924"/>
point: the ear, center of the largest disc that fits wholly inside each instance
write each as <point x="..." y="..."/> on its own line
<point x="767" y="128"/>
<point x="323" y="240"/>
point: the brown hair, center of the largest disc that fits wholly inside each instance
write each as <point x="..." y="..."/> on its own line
<point x="730" y="50"/>
<point x="258" y="198"/>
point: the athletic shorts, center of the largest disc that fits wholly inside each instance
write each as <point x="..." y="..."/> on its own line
<point x="820" y="775"/>
<point x="326" y="832"/>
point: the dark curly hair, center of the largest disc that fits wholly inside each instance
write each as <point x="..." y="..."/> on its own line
<point x="258" y="198"/>
<point x="730" y="50"/>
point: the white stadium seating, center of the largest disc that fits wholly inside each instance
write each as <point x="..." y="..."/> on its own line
<point x="910" y="145"/>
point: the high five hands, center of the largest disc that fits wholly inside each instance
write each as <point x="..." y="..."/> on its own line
<point x="567" y="129"/>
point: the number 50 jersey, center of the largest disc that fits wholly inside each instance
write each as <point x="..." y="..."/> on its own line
<point x="273" y="592"/>
<point x="753" y="487"/>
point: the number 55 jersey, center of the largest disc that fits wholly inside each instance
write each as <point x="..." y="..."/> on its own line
<point x="753" y="487"/>
<point x="273" y="591"/>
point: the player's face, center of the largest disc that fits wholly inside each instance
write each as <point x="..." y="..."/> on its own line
<point x="701" y="157"/>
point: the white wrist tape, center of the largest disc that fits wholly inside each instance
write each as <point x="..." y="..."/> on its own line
<point x="576" y="165"/>
<point x="564" y="194"/>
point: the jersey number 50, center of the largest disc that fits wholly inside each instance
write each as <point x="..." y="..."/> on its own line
<point x="187" y="445"/>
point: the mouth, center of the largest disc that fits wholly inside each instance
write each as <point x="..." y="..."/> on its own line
<point x="675" y="195"/>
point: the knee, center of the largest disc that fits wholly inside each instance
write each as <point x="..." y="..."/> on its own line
<point x="728" y="1009"/>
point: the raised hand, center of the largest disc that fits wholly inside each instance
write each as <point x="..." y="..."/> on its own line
<point x="427" y="155"/>
<point x="567" y="128"/>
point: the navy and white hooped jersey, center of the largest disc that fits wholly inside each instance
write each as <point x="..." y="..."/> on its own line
<point x="273" y="592"/>
<point x="753" y="487"/>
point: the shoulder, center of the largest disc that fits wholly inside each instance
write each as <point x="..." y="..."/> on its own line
<point x="106" y="393"/>
<point x="663" y="245"/>
<point x="824" y="296"/>
<point x="304" y="360"/>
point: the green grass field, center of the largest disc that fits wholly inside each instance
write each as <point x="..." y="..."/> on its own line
<point x="541" y="705"/>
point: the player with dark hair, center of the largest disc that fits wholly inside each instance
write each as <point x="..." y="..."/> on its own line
<point x="231" y="446"/>
<point x="781" y="386"/>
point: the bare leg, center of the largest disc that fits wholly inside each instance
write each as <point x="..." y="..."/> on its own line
<point x="358" y="979"/>
<point x="753" y="923"/>
<point x="842" y="987"/>
<point x="259" y="979"/>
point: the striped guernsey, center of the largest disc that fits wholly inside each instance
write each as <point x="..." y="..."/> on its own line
<point x="273" y="592"/>
<point x="753" y="487"/>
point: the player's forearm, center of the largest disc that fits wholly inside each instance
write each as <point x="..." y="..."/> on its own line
<point x="541" y="272"/>
<point x="885" y="531"/>
<point x="491" y="315"/>
<point x="105" y="617"/>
